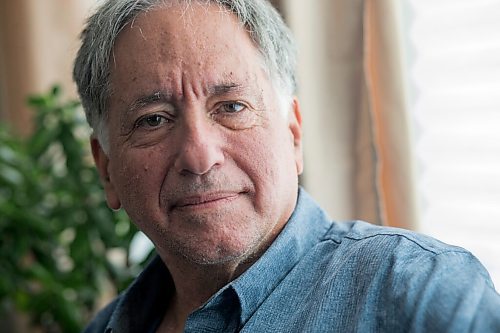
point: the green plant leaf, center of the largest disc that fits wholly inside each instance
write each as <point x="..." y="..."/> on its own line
<point x="48" y="185"/>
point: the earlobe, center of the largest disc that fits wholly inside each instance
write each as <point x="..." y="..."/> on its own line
<point x="102" y="164"/>
<point x="295" y="125"/>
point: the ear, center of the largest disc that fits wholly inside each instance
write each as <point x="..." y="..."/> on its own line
<point x="295" y="126"/>
<point x="102" y="163"/>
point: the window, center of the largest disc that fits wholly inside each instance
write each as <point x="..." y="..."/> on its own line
<point x="454" y="74"/>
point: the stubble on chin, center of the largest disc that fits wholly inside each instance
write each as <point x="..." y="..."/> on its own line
<point x="217" y="238"/>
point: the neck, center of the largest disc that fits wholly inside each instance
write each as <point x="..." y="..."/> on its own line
<point x="195" y="283"/>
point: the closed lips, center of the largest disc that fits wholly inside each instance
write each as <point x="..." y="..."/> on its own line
<point x="204" y="199"/>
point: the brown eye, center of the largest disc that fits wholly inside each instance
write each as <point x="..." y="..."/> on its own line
<point x="152" y="121"/>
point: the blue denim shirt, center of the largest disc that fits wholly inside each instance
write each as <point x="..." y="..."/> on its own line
<point x="322" y="276"/>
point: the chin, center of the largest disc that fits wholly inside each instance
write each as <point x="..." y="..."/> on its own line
<point x="209" y="254"/>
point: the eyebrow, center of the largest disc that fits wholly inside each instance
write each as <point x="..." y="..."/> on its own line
<point x="221" y="89"/>
<point x="157" y="97"/>
<point x="162" y="97"/>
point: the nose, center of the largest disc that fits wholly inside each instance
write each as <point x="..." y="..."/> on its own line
<point x="200" y="147"/>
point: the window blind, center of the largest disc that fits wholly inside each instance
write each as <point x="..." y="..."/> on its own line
<point x="454" y="73"/>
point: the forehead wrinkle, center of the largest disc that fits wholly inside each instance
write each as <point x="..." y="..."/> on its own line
<point x="214" y="89"/>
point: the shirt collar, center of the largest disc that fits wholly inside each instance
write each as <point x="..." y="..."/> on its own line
<point x="143" y="302"/>
<point x="307" y="225"/>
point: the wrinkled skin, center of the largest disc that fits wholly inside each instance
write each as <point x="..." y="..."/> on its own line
<point x="201" y="157"/>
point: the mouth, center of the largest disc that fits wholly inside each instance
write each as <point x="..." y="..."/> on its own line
<point x="206" y="200"/>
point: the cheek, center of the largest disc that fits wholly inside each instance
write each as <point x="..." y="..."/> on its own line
<point x="139" y="175"/>
<point x="268" y="158"/>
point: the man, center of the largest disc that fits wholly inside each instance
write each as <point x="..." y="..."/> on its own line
<point x="197" y="135"/>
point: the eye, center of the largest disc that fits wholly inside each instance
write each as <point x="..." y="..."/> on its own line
<point x="152" y="121"/>
<point x="235" y="115"/>
<point x="233" y="107"/>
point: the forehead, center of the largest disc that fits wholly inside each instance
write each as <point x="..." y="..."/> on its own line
<point x="187" y="31"/>
<point x="170" y="43"/>
<point x="181" y="20"/>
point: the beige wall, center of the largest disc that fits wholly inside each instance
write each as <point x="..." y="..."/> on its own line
<point x="38" y="41"/>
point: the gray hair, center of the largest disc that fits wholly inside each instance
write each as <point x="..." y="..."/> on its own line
<point x="92" y="65"/>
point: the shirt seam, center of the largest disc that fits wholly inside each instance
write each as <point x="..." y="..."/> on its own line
<point x="415" y="242"/>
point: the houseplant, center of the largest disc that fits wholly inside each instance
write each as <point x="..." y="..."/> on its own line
<point x="61" y="248"/>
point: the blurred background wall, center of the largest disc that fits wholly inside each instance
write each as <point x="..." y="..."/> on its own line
<point x="38" y="41"/>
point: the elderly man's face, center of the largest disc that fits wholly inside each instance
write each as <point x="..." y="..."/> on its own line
<point x="201" y="157"/>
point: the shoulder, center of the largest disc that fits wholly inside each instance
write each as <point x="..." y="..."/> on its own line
<point x="378" y="240"/>
<point x="428" y="282"/>
<point x="399" y="250"/>
<point x="359" y="231"/>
